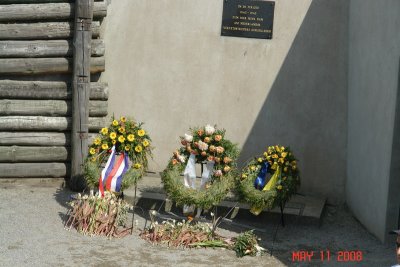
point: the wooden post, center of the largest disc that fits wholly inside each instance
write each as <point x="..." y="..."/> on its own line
<point x="80" y="91"/>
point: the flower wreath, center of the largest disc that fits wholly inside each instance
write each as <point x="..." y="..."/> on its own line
<point x="206" y="145"/>
<point x="123" y="138"/>
<point x="253" y="188"/>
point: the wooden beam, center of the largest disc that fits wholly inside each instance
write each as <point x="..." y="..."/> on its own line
<point x="45" y="48"/>
<point x="39" y="123"/>
<point x="50" y="11"/>
<point x="33" y="154"/>
<point x="33" y="170"/>
<point x="42" y="30"/>
<point x="12" y="89"/>
<point x="12" y="107"/>
<point x="23" y="66"/>
<point x="38" y="138"/>
<point x="80" y="91"/>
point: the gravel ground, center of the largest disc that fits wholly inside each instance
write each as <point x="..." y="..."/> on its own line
<point x="32" y="234"/>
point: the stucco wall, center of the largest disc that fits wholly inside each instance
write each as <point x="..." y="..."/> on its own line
<point x="167" y="65"/>
<point x="374" y="52"/>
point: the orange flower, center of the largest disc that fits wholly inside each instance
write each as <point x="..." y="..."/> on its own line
<point x="207" y="140"/>
<point x="174" y="161"/>
<point x="227" y="169"/>
<point x="183" y="142"/>
<point x="227" y="160"/>
<point x="212" y="148"/>
<point x="218" y="137"/>
<point x="210" y="158"/>
<point x="217" y="160"/>
<point x="203" y="153"/>
<point x="200" y="132"/>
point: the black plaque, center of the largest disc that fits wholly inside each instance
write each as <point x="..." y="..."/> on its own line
<point x="248" y="18"/>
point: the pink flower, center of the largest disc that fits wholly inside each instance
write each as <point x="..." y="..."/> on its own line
<point x="218" y="173"/>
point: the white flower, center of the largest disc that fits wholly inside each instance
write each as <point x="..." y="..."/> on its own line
<point x="209" y="129"/>
<point x="203" y="146"/>
<point x="181" y="158"/>
<point x="188" y="137"/>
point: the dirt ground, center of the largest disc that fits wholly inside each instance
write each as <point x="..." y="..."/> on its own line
<point x="32" y="234"/>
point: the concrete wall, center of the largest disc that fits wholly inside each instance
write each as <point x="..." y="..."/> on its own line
<point x="167" y="65"/>
<point x="373" y="156"/>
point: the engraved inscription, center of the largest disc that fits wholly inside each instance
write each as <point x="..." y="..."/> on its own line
<point x="248" y="18"/>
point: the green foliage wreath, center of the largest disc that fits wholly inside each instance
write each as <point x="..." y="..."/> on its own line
<point x="208" y="144"/>
<point x="127" y="136"/>
<point x="285" y="178"/>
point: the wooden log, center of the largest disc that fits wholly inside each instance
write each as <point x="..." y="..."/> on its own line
<point x="12" y="107"/>
<point x="3" y="2"/>
<point x="47" y="90"/>
<point x="38" y="138"/>
<point x="53" y="11"/>
<point x="33" y="154"/>
<point x="45" y="48"/>
<point x="39" y="123"/>
<point x="23" y="66"/>
<point x="80" y="91"/>
<point x="34" y="170"/>
<point x="43" y="30"/>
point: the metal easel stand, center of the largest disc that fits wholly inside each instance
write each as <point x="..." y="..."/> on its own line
<point x="282" y="222"/>
<point x="134" y="208"/>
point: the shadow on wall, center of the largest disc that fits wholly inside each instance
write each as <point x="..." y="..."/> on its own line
<point x="306" y="107"/>
<point x="393" y="209"/>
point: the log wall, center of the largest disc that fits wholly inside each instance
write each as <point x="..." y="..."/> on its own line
<point x="35" y="103"/>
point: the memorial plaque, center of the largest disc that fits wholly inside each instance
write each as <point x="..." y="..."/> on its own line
<point x="248" y="18"/>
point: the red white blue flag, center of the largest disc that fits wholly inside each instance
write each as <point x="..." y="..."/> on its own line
<point x="111" y="176"/>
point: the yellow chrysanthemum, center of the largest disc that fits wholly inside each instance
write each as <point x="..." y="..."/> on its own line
<point x="284" y="154"/>
<point x="121" y="129"/>
<point x="281" y="160"/>
<point x="113" y="135"/>
<point x="92" y="151"/>
<point x="122" y="119"/>
<point x="146" y="143"/>
<point x="115" y="123"/>
<point x="244" y="175"/>
<point x="104" y="146"/>
<point x="97" y="141"/>
<point x="253" y="168"/>
<point x="128" y="147"/>
<point x="121" y="138"/>
<point x="138" y="148"/>
<point x="93" y="159"/>
<point x="265" y="154"/>
<point x="104" y="131"/>
<point x="260" y="160"/>
<point x="137" y="165"/>
<point x="131" y="138"/>
<point x="279" y="187"/>
<point x="141" y="132"/>
<point x="114" y="141"/>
